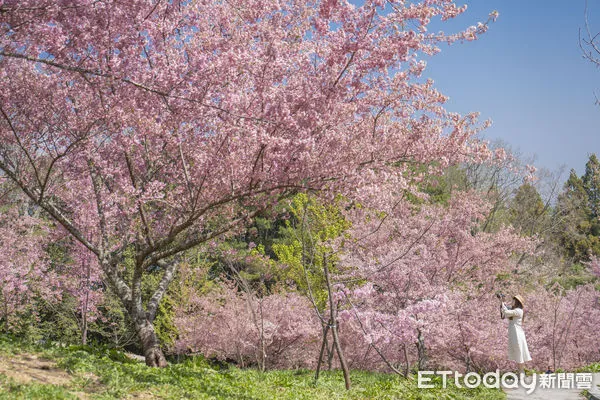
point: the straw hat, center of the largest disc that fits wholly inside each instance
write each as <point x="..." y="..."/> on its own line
<point x="518" y="297"/>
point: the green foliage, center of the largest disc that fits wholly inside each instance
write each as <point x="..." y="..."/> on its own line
<point x="195" y="378"/>
<point x="114" y="328"/>
<point x="163" y="323"/>
<point x="58" y="254"/>
<point x="574" y="275"/>
<point x="594" y="368"/>
<point x="56" y="321"/>
<point x="591" y="184"/>
<point x="579" y="234"/>
<point x="11" y="390"/>
<point x="305" y="245"/>
<point x="266" y="230"/>
<point x="527" y="210"/>
<point x="440" y="188"/>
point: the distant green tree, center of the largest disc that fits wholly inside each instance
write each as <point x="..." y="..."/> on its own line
<point x="440" y="187"/>
<point x="591" y="184"/>
<point x="527" y="210"/>
<point x="576" y="236"/>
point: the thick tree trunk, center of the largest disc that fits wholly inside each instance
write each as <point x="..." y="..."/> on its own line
<point x="131" y="299"/>
<point x="150" y="344"/>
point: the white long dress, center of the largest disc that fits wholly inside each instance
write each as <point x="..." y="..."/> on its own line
<point x="517" y="345"/>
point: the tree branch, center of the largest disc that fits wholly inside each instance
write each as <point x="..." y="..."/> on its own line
<point x="128" y="81"/>
<point x="161" y="289"/>
<point x="49" y="208"/>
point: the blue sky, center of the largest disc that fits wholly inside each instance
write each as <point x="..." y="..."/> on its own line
<point x="527" y="74"/>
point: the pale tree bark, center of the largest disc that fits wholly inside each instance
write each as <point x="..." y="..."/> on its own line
<point x="330" y="354"/>
<point x="150" y="344"/>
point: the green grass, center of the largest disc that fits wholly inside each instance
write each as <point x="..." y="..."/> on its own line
<point x="595" y="367"/>
<point x="108" y="374"/>
<point x="9" y="389"/>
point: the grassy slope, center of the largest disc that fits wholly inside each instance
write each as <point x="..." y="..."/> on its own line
<point x="108" y="374"/>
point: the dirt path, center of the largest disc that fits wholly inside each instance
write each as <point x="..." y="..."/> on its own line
<point x="29" y="368"/>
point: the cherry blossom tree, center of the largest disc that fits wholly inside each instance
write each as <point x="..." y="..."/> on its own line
<point x="31" y="271"/>
<point x="426" y="271"/>
<point x="153" y="127"/>
<point x="23" y="266"/>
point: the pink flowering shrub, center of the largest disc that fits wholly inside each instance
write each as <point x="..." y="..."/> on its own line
<point x="23" y="266"/>
<point x="276" y="331"/>
<point x="562" y="327"/>
<point x="82" y="279"/>
<point x="427" y="295"/>
<point x="38" y="269"/>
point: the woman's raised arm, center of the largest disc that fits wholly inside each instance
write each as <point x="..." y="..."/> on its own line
<point x="510" y="313"/>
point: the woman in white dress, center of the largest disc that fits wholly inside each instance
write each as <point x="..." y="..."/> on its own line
<point x="517" y="345"/>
